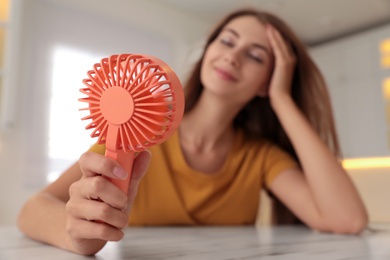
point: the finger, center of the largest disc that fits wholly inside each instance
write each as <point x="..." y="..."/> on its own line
<point x="99" y="188"/>
<point x="97" y="211"/>
<point x="140" y="166"/>
<point x="281" y="42"/>
<point x="141" y="163"/>
<point x="93" y="164"/>
<point x="284" y="46"/>
<point x="80" y="229"/>
<point x="279" y="45"/>
<point x="271" y="37"/>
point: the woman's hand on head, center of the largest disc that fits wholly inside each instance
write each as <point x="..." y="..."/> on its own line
<point x="284" y="65"/>
<point x="97" y="210"/>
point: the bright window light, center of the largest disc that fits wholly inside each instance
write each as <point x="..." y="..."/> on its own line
<point x="68" y="138"/>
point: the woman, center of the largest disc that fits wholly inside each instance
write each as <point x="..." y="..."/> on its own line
<point x="257" y="116"/>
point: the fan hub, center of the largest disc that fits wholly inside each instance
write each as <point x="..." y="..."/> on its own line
<point x="117" y="105"/>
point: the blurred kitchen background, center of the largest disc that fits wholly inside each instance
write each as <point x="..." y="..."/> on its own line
<point x="47" y="46"/>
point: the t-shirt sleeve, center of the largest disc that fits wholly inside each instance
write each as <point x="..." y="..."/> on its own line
<point x="98" y="148"/>
<point x="276" y="161"/>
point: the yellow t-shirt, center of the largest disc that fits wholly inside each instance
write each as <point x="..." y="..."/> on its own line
<point x="172" y="193"/>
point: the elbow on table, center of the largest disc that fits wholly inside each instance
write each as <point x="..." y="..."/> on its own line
<point x="352" y="225"/>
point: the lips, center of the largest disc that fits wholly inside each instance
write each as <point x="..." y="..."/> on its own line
<point x="225" y="75"/>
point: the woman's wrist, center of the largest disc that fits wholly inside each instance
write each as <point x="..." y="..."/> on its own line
<point x="278" y="101"/>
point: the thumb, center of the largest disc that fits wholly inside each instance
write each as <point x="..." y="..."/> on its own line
<point x="140" y="165"/>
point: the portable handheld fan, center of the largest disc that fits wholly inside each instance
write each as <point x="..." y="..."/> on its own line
<point x="135" y="101"/>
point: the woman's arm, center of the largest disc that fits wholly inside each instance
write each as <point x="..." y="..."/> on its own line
<point x="324" y="196"/>
<point x="82" y="210"/>
<point x="43" y="217"/>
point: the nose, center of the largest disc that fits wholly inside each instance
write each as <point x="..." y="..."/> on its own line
<point x="232" y="57"/>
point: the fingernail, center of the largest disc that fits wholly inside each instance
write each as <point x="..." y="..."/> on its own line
<point x="120" y="173"/>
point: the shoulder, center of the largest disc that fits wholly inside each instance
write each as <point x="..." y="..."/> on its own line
<point x="266" y="151"/>
<point x="98" y="148"/>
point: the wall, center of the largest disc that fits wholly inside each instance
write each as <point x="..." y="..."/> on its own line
<point x="352" y="68"/>
<point x="373" y="185"/>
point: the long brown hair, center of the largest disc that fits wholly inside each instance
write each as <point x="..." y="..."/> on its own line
<point x="309" y="91"/>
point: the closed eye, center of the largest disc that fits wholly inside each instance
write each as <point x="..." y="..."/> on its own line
<point x="256" y="57"/>
<point x="227" y="42"/>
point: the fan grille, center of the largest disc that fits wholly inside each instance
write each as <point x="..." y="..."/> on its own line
<point x="157" y="99"/>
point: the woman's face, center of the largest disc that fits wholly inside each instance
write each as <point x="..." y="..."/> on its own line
<point x="239" y="62"/>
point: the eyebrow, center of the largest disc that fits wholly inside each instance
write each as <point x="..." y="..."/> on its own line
<point x="257" y="45"/>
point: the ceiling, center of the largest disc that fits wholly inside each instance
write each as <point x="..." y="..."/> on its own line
<point x="315" y="21"/>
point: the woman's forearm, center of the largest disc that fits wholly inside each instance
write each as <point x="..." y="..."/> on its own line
<point x="43" y="218"/>
<point x="334" y="193"/>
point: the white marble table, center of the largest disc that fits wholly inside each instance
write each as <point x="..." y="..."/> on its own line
<point x="213" y="243"/>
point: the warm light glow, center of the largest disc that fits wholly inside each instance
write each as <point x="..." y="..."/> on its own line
<point x="388" y="116"/>
<point x="364" y="163"/>
<point x="386" y="95"/>
<point x="385" y="61"/>
<point x="385" y="51"/>
<point x="4" y="5"/>
<point x="386" y="89"/>
<point x="385" y="46"/>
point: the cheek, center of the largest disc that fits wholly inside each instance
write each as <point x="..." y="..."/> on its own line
<point x="259" y="77"/>
<point x="258" y="80"/>
<point x="208" y="57"/>
<point x="206" y="65"/>
<point x="203" y="72"/>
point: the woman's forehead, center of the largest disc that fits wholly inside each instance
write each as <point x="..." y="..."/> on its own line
<point x="247" y="27"/>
